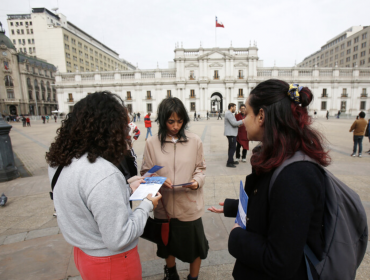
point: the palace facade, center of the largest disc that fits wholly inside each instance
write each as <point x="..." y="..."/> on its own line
<point x="207" y="79"/>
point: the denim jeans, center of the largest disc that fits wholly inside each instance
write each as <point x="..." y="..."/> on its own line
<point x="357" y="140"/>
<point x="148" y="130"/>
<point x="232" y="148"/>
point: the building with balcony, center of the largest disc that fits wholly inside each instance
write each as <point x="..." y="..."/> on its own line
<point x="351" y="48"/>
<point x="27" y="83"/>
<point x="207" y="79"/>
<point x="51" y="37"/>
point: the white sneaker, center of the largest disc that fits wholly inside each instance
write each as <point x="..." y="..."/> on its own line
<point x="244" y="160"/>
<point x="55" y="214"/>
<point x="237" y="159"/>
<point x="353" y="155"/>
<point x="359" y="155"/>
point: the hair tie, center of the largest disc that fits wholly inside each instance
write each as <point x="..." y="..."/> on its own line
<point x="293" y="93"/>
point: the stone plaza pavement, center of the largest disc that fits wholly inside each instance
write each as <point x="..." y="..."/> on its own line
<point x="31" y="246"/>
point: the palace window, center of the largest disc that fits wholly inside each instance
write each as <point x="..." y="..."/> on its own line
<point x="215" y="76"/>
<point x="148" y="95"/>
<point x="363" y="45"/>
<point x="348" y="51"/>
<point x="128" y="95"/>
<point x="349" y="43"/>
<point x="364" y="91"/>
<point x="168" y="93"/>
<point x="355" y="48"/>
<point x="129" y="108"/>
<point x="12" y="32"/>
<point x="240" y="74"/>
<point x="355" y="56"/>
<point x="324" y="93"/>
<point x="192" y="76"/>
<point x="323" y="105"/>
<point x="356" y="40"/>
<point x="192" y="93"/>
<point x="6" y="65"/>
<point x="363" y="105"/>
<point x="363" y="53"/>
<point x="364" y="36"/>
<point x="343" y="106"/>
<point x="70" y="97"/>
<point x="192" y="106"/>
<point x="149" y="107"/>
<point x="240" y="92"/>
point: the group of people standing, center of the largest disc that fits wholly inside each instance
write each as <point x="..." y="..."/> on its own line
<point x="92" y="194"/>
<point x="236" y="135"/>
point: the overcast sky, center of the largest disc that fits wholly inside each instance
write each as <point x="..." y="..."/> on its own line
<point x="145" y="31"/>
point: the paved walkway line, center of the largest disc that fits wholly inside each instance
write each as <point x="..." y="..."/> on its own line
<point x="32" y="139"/>
<point x="204" y="133"/>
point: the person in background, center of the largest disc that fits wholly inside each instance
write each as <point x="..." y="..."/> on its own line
<point x="231" y="131"/>
<point x="55" y="118"/>
<point x="91" y="195"/>
<point x="148" y="125"/>
<point x="181" y="154"/>
<point x="367" y="133"/>
<point x="134" y="117"/>
<point x="219" y="115"/>
<point x="47" y="118"/>
<point x="138" y="116"/>
<point x="24" y="121"/>
<point x="242" y="138"/>
<point x="195" y="116"/>
<point x="338" y="115"/>
<point x="315" y="114"/>
<point x="358" y="128"/>
<point x="28" y="121"/>
<point x="327" y="114"/>
<point x="282" y="221"/>
<point x="207" y="115"/>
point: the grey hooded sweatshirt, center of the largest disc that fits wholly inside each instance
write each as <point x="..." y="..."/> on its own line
<point x="92" y="203"/>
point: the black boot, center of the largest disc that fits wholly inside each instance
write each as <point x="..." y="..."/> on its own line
<point x="170" y="273"/>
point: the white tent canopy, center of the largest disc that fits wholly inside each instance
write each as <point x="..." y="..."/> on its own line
<point x="56" y="112"/>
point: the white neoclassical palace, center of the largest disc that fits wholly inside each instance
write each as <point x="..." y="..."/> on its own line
<point x="207" y="79"/>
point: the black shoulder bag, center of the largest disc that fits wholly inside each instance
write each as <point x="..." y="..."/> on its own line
<point x="54" y="181"/>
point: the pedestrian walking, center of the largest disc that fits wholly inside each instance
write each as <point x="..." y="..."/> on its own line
<point x="358" y="128"/>
<point x="55" y="118"/>
<point x="28" y="121"/>
<point x="338" y="115"/>
<point x="327" y="114"/>
<point x="367" y="133"/>
<point x="195" y="116"/>
<point x="182" y="154"/>
<point x="138" y="116"/>
<point x="219" y="115"/>
<point x="148" y="125"/>
<point x="315" y="114"/>
<point x="91" y="196"/>
<point x="207" y="115"/>
<point x="272" y="245"/>
<point x="24" y="121"/>
<point x="47" y="118"/>
<point x="231" y="131"/>
<point x="134" y="117"/>
<point x="43" y="119"/>
<point x="242" y="138"/>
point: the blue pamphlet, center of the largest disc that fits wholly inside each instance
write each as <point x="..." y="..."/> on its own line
<point x="241" y="218"/>
<point x="153" y="170"/>
<point x="151" y="186"/>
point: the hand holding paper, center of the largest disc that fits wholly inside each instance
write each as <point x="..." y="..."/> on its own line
<point x="151" y="186"/>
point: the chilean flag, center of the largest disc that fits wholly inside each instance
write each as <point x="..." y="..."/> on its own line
<point x="219" y="24"/>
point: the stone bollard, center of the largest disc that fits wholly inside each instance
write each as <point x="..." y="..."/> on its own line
<point x="8" y="170"/>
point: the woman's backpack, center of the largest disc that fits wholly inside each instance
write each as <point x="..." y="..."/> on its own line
<point x="345" y="228"/>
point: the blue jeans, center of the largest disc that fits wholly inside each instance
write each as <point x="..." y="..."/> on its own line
<point x="148" y="130"/>
<point x="357" y="140"/>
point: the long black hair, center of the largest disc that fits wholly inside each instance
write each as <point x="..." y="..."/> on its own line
<point x="166" y="108"/>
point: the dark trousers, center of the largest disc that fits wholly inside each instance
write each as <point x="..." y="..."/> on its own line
<point x="357" y="140"/>
<point x="238" y="146"/>
<point x="232" y="148"/>
<point x="219" y="116"/>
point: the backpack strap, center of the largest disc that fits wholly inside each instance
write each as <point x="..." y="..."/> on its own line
<point x="298" y="156"/>
<point x="54" y="180"/>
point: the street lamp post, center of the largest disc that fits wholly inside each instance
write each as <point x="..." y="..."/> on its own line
<point x="8" y="170"/>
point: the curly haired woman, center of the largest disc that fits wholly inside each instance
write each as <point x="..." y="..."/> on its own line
<point x="91" y="195"/>
<point x="282" y="221"/>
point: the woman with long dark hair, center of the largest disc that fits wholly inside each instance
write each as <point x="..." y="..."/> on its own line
<point x="91" y="195"/>
<point x="280" y="220"/>
<point x="181" y="154"/>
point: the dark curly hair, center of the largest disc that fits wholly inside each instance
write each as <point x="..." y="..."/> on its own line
<point x="97" y="126"/>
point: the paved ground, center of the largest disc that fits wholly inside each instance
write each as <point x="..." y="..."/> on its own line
<point x="31" y="246"/>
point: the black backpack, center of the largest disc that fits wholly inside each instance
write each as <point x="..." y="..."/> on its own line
<point x="345" y="223"/>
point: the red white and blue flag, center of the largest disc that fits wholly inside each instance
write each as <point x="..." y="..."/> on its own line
<point x="219" y="24"/>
